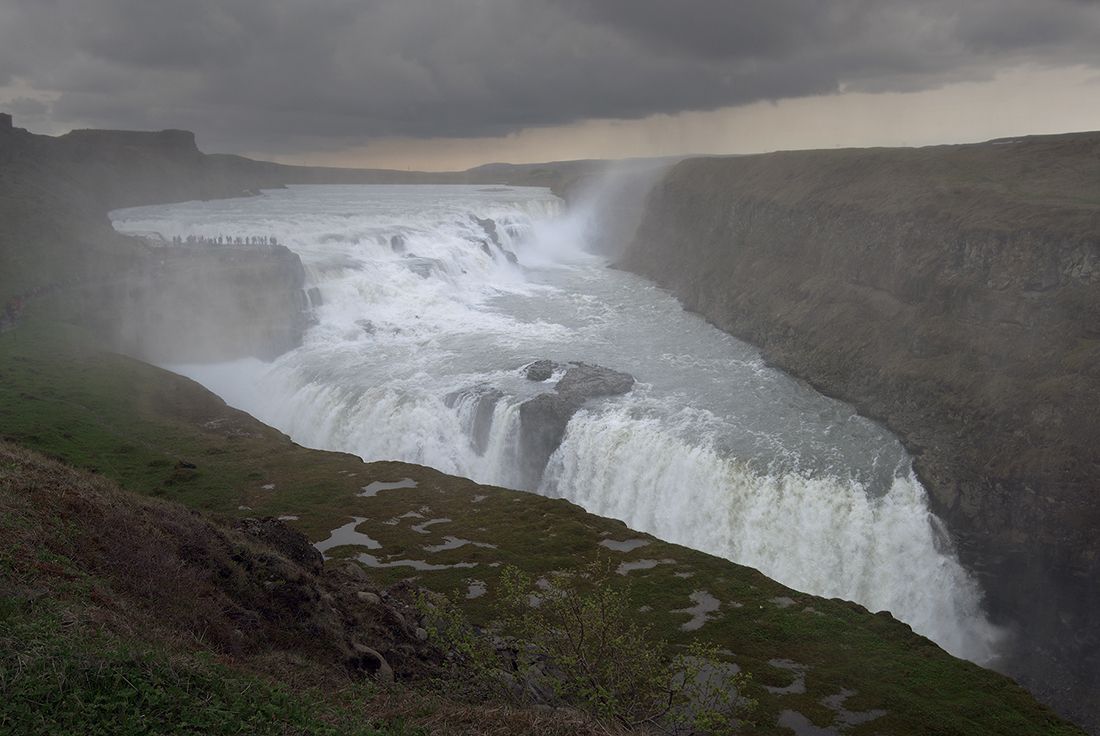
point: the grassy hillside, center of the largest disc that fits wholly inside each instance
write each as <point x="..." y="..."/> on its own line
<point x="164" y="436"/>
<point x="122" y="615"/>
<point x="130" y="601"/>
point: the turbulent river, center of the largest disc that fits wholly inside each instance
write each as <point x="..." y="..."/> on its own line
<point x="432" y="298"/>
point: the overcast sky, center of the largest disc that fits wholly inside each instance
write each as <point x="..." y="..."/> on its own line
<point x="453" y="83"/>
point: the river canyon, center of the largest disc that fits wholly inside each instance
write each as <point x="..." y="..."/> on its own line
<point x="431" y="304"/>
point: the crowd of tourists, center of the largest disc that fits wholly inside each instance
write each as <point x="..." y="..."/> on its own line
<point x="225" y="240"/>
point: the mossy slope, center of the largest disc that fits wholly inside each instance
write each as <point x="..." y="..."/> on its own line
<point x="159" y="434"/>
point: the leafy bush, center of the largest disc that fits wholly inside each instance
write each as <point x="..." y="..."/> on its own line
<point x="576" y="641"/>
<point x="582" y="634"/>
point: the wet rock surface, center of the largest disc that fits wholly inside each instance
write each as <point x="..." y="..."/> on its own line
<point x="544" y="418"/>
<point x="485" y="399"/>
<point x="583" y="381"/>
<point x="493" y="240"/>
<point x="490" y="227"/>
<point x="540" y="370"/>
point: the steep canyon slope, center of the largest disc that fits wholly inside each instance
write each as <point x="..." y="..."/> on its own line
<point x="952" y="292"/>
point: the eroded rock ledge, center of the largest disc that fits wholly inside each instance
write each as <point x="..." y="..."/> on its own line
<point x="544" y="418"/>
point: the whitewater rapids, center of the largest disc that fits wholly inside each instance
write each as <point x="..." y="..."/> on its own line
<point x="432" y="297"/>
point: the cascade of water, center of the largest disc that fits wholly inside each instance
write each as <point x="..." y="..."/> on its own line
<point x="824" y="535"/>
<point x="433" y="298"/>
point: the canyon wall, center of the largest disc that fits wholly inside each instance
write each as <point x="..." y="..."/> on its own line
<point x="170" y="304"/>
<point x="952" y="293"/>
<point x="163" y="304"/>
<point x="204" y="304"/>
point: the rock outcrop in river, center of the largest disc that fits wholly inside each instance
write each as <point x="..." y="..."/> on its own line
<point x="544" y="418"/>
<point x="952" y="292"/>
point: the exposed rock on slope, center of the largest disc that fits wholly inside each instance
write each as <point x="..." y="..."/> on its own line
<point x="150" y="591"/>
<point x="260" y="588"/>
<point x="954" y="293"/>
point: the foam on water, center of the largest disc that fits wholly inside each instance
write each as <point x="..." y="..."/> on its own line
<point x="820" y="535"/>
<point x="426" y="322"/>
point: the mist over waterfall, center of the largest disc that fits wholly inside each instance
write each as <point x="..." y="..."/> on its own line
<point x="430" y="303"/>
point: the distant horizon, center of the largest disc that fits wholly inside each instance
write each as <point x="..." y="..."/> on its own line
<point x="291" y="161"/>
<point x="424" y="86"/>
<point x="1026" y="100"/>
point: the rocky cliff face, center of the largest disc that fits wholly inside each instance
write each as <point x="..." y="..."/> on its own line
<point x="161" y="304"/>
<point x="205" y="304"/>
<point x="153" y="303"/>
<point x="953" y="293"/>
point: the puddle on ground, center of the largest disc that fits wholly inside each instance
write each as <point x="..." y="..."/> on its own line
<point x="475" y="589"/>
<point x="423" y="527"/>
<point x="798" y="687"/>
<point x="456" y="543"/>
<point x="268" y="486"/>
<point x="801" y="725"/>
<point x="711" y="674"/>
<point x="422" y="565"/>
<point x="628" y="567"/>
<point x="288" y="517"/>
<point x="628" y="545"/>
<point x="705" y="604"/>
<point x="371" y="489"/>
<point x="835" y="703"/>
<point x="845" y="719"/>
<point x="346" y="535"/>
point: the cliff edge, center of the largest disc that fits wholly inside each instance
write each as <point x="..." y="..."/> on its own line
<point x="952" y="292"/>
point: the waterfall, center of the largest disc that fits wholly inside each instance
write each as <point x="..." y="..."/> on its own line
<point x="435" y="298"/>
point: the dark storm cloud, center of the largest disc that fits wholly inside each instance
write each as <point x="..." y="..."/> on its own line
<point x="299" y="74"/>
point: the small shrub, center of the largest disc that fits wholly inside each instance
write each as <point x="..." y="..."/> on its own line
<point x="468" y="650"/>
<point x="578" y="640"/>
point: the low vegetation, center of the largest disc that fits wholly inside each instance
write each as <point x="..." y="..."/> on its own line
<point x="165" y="437"/>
